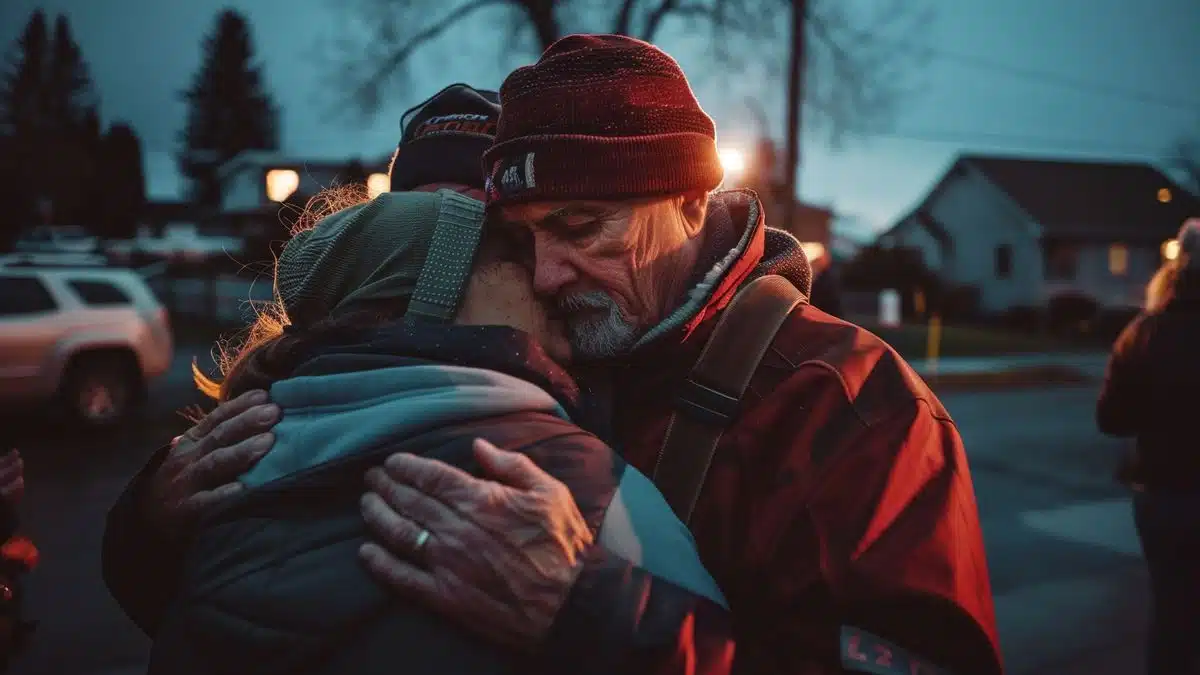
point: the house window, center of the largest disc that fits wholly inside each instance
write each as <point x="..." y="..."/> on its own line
<point x="1061" y="261"/>
<point x="1003" y="261"/>
<point x="1118" y="260"/>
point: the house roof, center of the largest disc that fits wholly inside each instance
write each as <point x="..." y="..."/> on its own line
<point x="920" y="217"/>
<point x="1082" y="197"/>
<point x="264" y="159"/>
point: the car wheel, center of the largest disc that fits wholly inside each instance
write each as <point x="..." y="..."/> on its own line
<point x="101" y="391"/>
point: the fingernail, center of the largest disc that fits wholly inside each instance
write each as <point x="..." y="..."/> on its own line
<point x="258" y="396"/>
<point x="263" y="442"/>
<point x="268" y="413"/>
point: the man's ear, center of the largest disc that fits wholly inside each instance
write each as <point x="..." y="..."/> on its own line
<point x="694" y="207"/>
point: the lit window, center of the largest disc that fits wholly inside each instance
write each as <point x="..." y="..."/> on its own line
<point x="1170" y="249"/>
<point x="377" y="184"/>
<point x="281" y="183"/>
<point x="1164" y="195"/>
<point x="1118" y="260"/>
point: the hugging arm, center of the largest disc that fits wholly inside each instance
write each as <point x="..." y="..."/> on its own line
<point x="147" y="530"/>
<point x="140" y="565"/>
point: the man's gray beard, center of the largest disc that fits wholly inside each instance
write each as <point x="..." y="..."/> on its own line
<point x="593" y="336"/>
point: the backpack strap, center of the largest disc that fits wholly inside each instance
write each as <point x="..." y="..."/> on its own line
<point x="711" y="394"/>
<point x="447" y="270"/>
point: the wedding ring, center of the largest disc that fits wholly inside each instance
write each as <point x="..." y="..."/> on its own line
<point x="422" y="539"/>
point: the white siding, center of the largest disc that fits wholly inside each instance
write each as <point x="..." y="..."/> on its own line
<point x="980" y="220"/>
<point x="1094" y="279"/>
<point x="244" y="190"/>
<point x="912" y="235"/>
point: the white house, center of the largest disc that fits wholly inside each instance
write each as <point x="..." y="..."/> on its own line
<point x="255" y="180"/>
<point x="262" y="191"/>
<point x="1023" y="230"/>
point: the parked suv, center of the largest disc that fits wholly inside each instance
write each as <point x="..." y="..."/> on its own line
<point x="87" y="338"/>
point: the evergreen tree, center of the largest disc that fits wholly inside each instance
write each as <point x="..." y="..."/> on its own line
<point x="355" y="173"/>
<point x="19" y="100"/>
<point x="49" y="128"/>
<point x="68" y="147"/>
<point x="20" y="89"/>
<point x="70" y="97"/>
<point x="229" y="109"/>
<point x="122" y="185"/>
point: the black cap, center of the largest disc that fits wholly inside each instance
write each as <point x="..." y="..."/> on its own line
<point x="443" y="139"/>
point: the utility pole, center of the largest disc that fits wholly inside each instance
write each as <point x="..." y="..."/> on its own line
<point x="795" y="104"/>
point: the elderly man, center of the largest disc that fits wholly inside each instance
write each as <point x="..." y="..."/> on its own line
<point x="837" y="515"/>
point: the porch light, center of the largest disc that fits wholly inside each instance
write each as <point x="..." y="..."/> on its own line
<point x="1170" y="249"/>
<point x="377" y="184"/>
<point x="281" y="183"/>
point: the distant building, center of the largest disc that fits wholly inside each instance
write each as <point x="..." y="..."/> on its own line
<point x="1024" y="231"/>
<point x="811" y="224"/>
<point x="160" y="214"/>
<point x="261" y="189"/>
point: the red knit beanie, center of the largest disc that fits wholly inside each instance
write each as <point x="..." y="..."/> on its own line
<point x="601" y="117"/>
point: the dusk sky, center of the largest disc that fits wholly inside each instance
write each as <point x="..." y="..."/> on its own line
<point x="1094" y="78"/>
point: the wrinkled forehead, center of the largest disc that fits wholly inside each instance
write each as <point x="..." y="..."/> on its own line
<point x="556" y="215"/>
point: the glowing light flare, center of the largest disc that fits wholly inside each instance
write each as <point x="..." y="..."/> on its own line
<point x="1170" y="249"/>
<point x="733" y="161"/>
<point x="281" y="184"/>
<point x="813" y="250"/>
<point x="377" y="184"/>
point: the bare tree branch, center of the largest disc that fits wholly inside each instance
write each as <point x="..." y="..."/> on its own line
<point x="367" y="91"/>
<point x="856" y="65"/>
<point x="1186" y="160"/>
<point x="656" y="18"/>
<point x="623" y="23"/>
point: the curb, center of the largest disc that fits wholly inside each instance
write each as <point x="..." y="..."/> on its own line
<point x="1021" y="377"/>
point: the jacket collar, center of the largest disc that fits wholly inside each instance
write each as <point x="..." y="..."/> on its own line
<point x="759" y="250"/>
<point x="499" y="348"/>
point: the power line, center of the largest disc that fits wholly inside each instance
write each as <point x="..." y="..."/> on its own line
<point x="1058" y="79"/>
<point x="990" y="138"/>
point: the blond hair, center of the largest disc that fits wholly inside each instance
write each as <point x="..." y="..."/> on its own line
<point x="232" y="354"/>
<point x="1163" y="286"/>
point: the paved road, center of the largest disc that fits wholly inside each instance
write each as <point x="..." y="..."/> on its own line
<point x="1065" y="567"/>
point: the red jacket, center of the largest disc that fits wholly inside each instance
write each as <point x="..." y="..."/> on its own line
<point x="838" y="516"/>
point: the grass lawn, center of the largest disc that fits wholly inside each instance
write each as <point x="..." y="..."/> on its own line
<point x="911" y="340"/>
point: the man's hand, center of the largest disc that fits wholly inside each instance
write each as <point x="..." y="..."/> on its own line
<point x="498" y="557"/>
<point x="202" y="467"/>
<point x="12" y="477"/>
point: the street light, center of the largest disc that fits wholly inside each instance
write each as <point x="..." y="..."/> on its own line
<point x="733" y="161"/>
<point x="377" y="184"/>
<point x="281" y="183"/>
<point x="1170" y="249"/>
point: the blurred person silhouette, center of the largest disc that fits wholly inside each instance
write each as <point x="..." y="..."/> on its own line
<point x="1151" y="391"/>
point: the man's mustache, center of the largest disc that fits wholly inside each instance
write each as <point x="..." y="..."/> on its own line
<point x="575" y="302"/>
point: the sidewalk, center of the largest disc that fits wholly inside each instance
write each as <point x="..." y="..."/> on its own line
<point x="1089" y="363"/>
<point x="1092" y="625"/>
